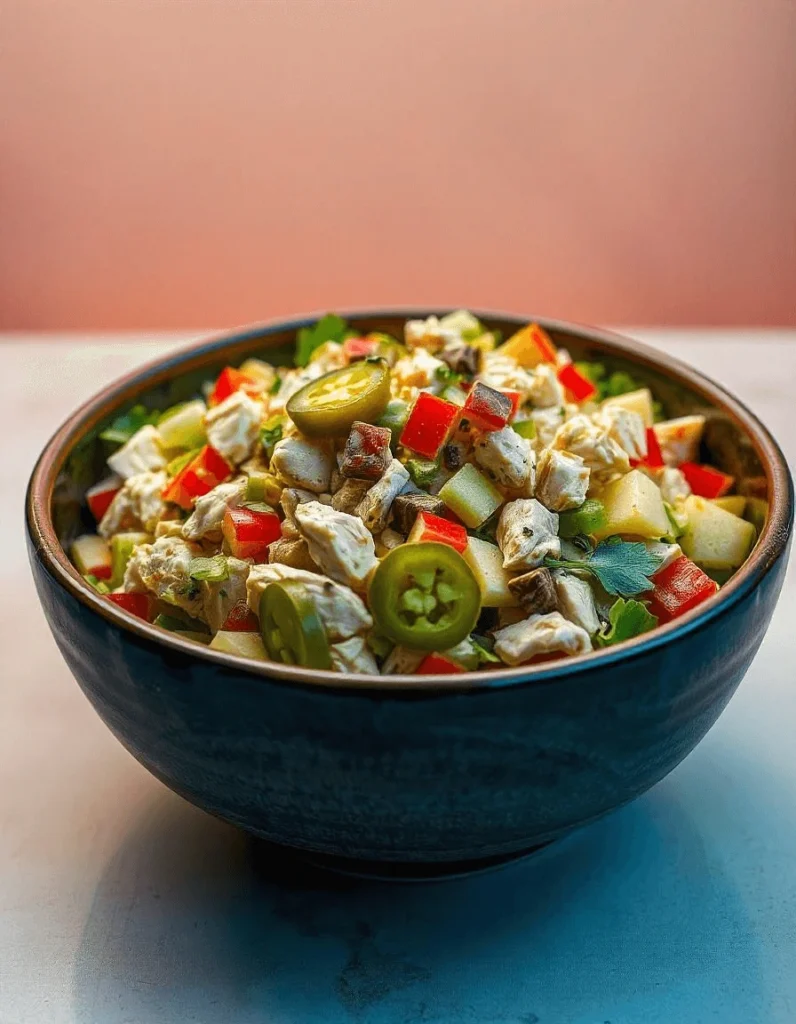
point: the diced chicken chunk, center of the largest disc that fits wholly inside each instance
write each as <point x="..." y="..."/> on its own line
<point x="233" y="425"/>
<point x="546" y="389"/>
<point x="402" y="661"/>
<point x="576" y="601"/>
<point x="429" y="334"/>
<point x="505" y="374"/>
<point x="625" y="427"/>
<point x="540" y="634"/>
<point x="340" y="543"/>
<point x="342" y="613"/>
<point x="562" y="480"/>
<point x="374" y="508"/>
<point x="353" y="655"/>
<point x="300" y="463"/>
<point x="143" y="453"/>
<point x="219" y="598"/>
<point x="507" y="458"/>
<point x="580" y="436"/>
<point x="680" y="439"/>
<point x="547" y="423"/>
<point x="208" y="512"/>
<point x="527" y="533"/>
<point x="673" y="484"/>
<point x="329" y="356"/>
<point x="137" y="506"/>
<point x="163" y="569"/>
<point x="416" y="370"/>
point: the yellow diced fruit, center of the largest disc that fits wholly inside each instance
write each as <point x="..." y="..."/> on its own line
<point x="529" y="347"/>
<point x="633" y="505"/>
<point x="735" y="503"/>
<point x="715" y="538"/>
<point x="486" y="562"/>
<point x="635" y="401"/>
<point x="245" y="645"/>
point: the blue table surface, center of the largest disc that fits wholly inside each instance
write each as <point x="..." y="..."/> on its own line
<point x="121" y="904"/>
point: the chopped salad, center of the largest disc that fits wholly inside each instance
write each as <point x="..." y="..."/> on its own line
<point x="437" y="503"/>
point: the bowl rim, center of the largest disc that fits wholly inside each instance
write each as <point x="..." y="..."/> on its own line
<point x="770" y="546"/>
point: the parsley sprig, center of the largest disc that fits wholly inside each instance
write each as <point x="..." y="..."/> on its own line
<point x="627" y="620"/>
<point x="329" y="328"/>
<point x="622" y="567"/>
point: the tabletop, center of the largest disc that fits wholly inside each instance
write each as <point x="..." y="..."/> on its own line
<point x="122" y="904"/>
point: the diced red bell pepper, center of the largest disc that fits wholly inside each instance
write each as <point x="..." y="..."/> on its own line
<point x="100" y="496"/>
<point x="515" y="402"/>
<point x="429" y="528"/>
<point x="541" y="339"/>
<point x="487" y="408"/>
<point x="437" y="664"/>
<point x="705" y="481"/>
<point x="679" y="587"/>
<point x="359" y="348"/>
<point x="241" y="620"/>
<point x="654" y="457"/>
<point x="135" y="604"/>
<point x="204" y="472"/>
<point x="429" y="424"/>
<point x="579" y="387"/>
<point x="231" y="380"/>
<point x="248" y="532"/>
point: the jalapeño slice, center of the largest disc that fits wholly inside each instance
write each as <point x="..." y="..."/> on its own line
<point x="424" y="596"/>
<point x="329" y="405"/>
<point x="290" y="627"/>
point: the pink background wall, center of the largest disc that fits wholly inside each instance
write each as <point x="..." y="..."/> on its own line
<point x="206" y="162"/>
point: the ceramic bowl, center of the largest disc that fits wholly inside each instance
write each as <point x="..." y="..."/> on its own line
<point x="424" y="773"/>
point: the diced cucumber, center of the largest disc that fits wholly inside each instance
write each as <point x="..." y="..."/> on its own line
<point x="486" y="562"/>
<point x="471" y="496"/>
<point x="715" y="538"/>
<point x="122" y="546"/>
<point x="245" y="645"/>
<point x="634" y="506"/>
<point x="182" y="426"/>
<point x="587" y="519"/>
<point x="394" y="418"/>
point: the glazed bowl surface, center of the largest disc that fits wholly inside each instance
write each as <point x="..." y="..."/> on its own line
<point x="410" y="770"/>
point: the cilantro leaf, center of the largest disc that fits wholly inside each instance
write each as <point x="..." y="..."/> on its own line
<point x="129" y="423"/>
<point x="628" y="619"/>
<point x="329" y="328"/>
<point x="622" y="567"/>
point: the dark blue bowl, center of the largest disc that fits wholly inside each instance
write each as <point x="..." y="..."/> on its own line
<point x="411" y="770"/>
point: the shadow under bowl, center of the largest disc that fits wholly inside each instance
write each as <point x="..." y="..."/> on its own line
<point x="445" y="772"/>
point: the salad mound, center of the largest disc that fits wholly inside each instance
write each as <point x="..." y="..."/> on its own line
<point x="433" y="504"/>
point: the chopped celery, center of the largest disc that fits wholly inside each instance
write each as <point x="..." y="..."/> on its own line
<point x="182" y="426"/>
<point x="122" y="547"/>
<point x="525" y="428"/>
<point x="471" y="496"/>
<point x="422" y="471"/>
<point x="263" y="487"/>
<point x="586" y="520"/>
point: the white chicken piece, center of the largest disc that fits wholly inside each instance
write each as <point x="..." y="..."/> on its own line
<point x="546" y="389"/>
<point x="562" y="480"/>
<point x="680" y="439"/>
<point x="402" y="661"/>
<point x="374" y="509"/>
<point x="353" y="655"/>
<point x="338" y="542"/>
<point x="540" y="634"/>
<point x="220" y="597"/>
<point x="232" y="426"/>
<point x="342" y="613"/>
<point x="429" y="334"/>
<point x="668" y="553"/>
<point x="547" y="423"/>
<point x="292" y="381"/>
<point x="208" y="511"/>
<point x="143" y="453"/>
<point x="527" y="533"/>
<point x="416" y="370"/>
<point x="507" y="458"/>
<point x="138" y="505"/>
<point x="299" y="463"/>
<point x="576" y="601"/>
<point x="163" y="569"/>
<point x="625" y="427"/>
<point x="580" y="436"/>
<point x="673" y="484"/>
<point x="505" y="374"/>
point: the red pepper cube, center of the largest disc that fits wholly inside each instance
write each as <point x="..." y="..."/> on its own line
<point x="359" y="348"/>
<point x="434" y="529"/>
<point x="100" y="496"/>
<point x="654" y="457"/>
<point x="580" y="388"/>
<point x="241" y="620"/>
<point x="429" y="424"/>
<point x="679" y="587"/>
<point x="545" y="347"/>
<point x="231" y="380"/>
<point x="514" y="396"/>
<point x="204" y="472"/>
<point x="136" y="604"/>
<point x="705" y="481"/>
<point x="487" y="408"/>
<point x="437" y="664"/>
<point x="367" y="452"/>
<point x="249" y="532"/>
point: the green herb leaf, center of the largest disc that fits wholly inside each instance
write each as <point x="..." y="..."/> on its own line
<point x="329" y="328"/>
<point x="628" y="619"/>
<point x="213" y="570"/>
<point x="129" y="423"/>
<point x="99" y="585"/>
<point x="488" y="529"/>
<point x="483" y="651"/>
<point x="271" y="432"/>
<point x="622" y="567"/>
<point x="274" y="389"/>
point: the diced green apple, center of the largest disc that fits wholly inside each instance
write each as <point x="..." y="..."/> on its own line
<point x="183" y="425"/>
<point x="471" y="496"/>
<point x="633" y="506"/>
<point x="715" y="538"/>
